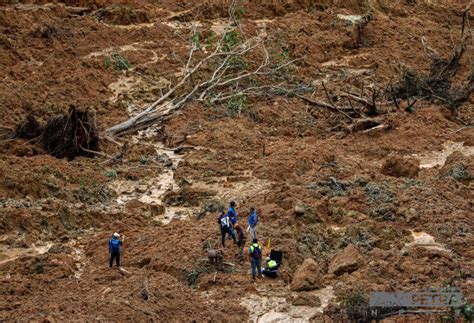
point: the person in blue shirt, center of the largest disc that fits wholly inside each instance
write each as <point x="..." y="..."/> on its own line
<point x="253" y="221"/>
<point x="114" y="249"/>
<point x="232" y="214"/>
<point x="226" y="227"/>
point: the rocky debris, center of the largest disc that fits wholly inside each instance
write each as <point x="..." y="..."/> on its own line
<point x="400" y="167"/>
<point x="305" y="299"/>
<point x="148" y="210"/>
<point x="299" y="209"/>
<point x="330" y="187"/>
<point x="410" y="214"/>
<point x="307" y="213"/>
<point x="422" y="240"/>
<point x="165" y="160"/>
<point x="122" y="15"/>
<point x="307" y="277"/>
<point x="350" y="19"/>
<point x="459" y="167"/>
<point x="299" y="148"/>
<point x="310" y="214"/>
<point x="124" y="272"/>
<point x="346" y="261"/>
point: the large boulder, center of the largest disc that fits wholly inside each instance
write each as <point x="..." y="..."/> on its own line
<point x="346" y="261"/>
<point x="148" y="210"/>
<point x="309" y="214"/>
<point x="307" y="277"/>
<point x="459" y="167"/>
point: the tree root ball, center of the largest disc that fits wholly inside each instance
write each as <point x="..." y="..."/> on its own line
<point x="63" y="136"/>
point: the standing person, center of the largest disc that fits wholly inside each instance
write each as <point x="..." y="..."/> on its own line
<point x="255" y="257"/>
<point x="232" y="214"/>
<point x="253" y="221"/>
<point x="225" y="224"/>
<point x="241" y="238"/>
<point x="114" y="249"/>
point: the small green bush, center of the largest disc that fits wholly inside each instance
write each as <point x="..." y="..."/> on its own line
<point x="119" y="62"/>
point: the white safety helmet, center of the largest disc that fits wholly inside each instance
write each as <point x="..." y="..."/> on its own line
<point x="116" y="235"/>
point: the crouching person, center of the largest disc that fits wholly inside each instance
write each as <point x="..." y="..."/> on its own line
<point x="271" y="269"/>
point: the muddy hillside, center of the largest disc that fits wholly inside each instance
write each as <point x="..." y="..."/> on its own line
<point x="348" y="125"/>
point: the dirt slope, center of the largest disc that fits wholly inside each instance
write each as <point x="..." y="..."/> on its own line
<point x="402" y="195"/>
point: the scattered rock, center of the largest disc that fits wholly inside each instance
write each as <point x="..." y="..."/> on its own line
<point x="403" y="252"/>
<point x="350" y="19"/>
<point x="165" y="160"/>
<point x="144" y="262"/>
<point x="149" y="210"/>
<point x="305" y="299"/>
<point x="299" y="209"/>
<point x="346" y="261"/>
<point x="307" y="277"/>
<point x="306" y="212"/>
<point x="122" y="15"/>
<point x="410" y="214"/>
<point x="56" y="249"/>
<point x="49" y="319"/>
<point x="106" y="291"/>
<point x="124" y="271"/>
<point x="400" y="167"/>
<point x="156" y="209"/>
<point x="459" y="167"/>
<point x="424" y="241"/>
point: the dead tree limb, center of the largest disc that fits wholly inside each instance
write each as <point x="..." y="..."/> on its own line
<point x="224" y="77"/>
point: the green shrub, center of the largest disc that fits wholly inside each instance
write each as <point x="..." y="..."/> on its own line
<point x="111" y="174"/>
<point x="119" y="62"/>
<point x="356" y="306"/>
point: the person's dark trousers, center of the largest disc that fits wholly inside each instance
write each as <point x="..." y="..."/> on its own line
<point x="224" y="232"/>
<point x="271" y="273"/>
<point x="114" y="255"/>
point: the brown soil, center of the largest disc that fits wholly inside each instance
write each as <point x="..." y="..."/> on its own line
<point x="375" y="190"/>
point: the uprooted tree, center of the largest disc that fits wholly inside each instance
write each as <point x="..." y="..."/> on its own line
<point x="235" y="67"/>
<point x="238" y="66"/>
<point x="364" y="110"/>
<point x="66" y="135"/>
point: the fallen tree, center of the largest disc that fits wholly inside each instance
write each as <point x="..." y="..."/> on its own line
<point x="230" y="71"/>
<point x="364" y="110"/>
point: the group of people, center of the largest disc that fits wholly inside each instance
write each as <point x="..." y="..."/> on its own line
<point x="230" y="227"/>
